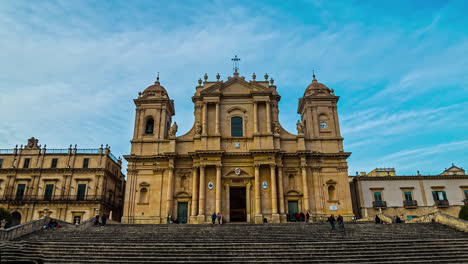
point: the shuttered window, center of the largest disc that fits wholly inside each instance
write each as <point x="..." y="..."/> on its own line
<point x="236" y="127"/>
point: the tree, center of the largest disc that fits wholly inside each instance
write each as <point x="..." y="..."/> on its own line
<point x="5" y="214"/>
<point x="463" y="213"/>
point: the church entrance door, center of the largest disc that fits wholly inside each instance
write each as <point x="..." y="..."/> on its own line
<point x="293" y="209"/>
<point x="182" y="212"/>
<point x="237" y="203"/>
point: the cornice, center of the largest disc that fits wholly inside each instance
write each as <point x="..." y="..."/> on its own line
<point x="409" y="177"/>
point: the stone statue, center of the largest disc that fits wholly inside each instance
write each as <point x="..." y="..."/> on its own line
<point x="173" y="130"/>
<point x="198" y="129"/>
<point x="276" y="128"/>
<point x="300" y="127"/>
<point x="32" y="143"/>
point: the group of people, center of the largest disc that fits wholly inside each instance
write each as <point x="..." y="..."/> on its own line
<point x="100" y="220"/>
<point x="395" y="219"/>
<point x="52" y="224"/>
<point x="341" y="228"/>
<point x="215" y="217"/>
<point x="298" y="217"/>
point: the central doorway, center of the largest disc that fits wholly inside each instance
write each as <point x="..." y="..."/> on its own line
<point x="237" y="204"/>
<point x="182" y="212"/>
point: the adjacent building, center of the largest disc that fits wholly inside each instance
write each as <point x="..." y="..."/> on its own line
<point x="68" y="184"/>
<point x="237" y="159"/>
<point x="410" y="196"/>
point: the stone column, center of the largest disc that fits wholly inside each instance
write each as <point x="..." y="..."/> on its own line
<point x="162" y="124"/>
<point x="218" y="189"/>
<point x="217" y="119"/>
<point x="201" y="199"/>
<point x="170" y="191"/>
<point x="249" y="200"/>
<point x="305" y="187"/>
<point x="255" y="118"/>
<point x="258" y="197"/>
<point x="274" y="197"/>
<point x="280" y="189"/>
<point x="268" y="116"/>
<point x="205" y="121"/>
<point x="227" y="217"/>
<point x="194" y="191"/>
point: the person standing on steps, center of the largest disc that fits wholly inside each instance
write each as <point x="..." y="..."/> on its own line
<point x="213" y="218"/>
<point x="307" y="217"/>
<point x="168" y="219"/>
<point x="341" y="227"/>
<point x="377" y="219"/>
<point x="331" y="220"/>
<point x="96" y="220"/>
<point x="301" y="214"/>
<point x="103" y="219"/>
<point x="220" y="217"/>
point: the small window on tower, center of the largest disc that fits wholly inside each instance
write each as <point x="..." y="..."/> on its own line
<point x="236" y="127"/>
<point x="149" y="126"/>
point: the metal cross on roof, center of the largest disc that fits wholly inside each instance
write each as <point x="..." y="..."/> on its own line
<point x="235" y="63"/>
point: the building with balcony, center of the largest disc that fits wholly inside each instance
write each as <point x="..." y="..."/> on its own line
<point x="68" y="184"/>
<point x="410" y="196"/>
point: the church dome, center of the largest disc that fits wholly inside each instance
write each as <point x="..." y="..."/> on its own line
<point x="315" y="88"/>
<point x="155" y="90"/>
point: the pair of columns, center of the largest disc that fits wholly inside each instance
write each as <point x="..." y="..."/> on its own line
<point x="268" y="114"/>
<point x="205" y="119"/>
<point x="199" y="190"/>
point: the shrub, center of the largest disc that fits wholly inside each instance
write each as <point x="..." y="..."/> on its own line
<point x="463" y="213"/>
<point x="5" y="214"/>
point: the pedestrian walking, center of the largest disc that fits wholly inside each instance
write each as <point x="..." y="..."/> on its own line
<point x="331" y="220"/>
<point x="103" y="219"/>
<point x="96" y="220"/>
<point x="341" y="227"/>
<point x="213" y="218"/>
<point x="220" y="217"/>
<point x="377" y="220"/>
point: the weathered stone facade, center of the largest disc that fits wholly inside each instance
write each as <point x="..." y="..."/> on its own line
<point x="237" y="159"/>
<point x="67" y="184"/>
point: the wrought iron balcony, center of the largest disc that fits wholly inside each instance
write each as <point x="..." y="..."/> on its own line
<point x="59" y="199"/>
<point x="410" y="203"/>
<point x="442" y="203"/>
<point x="379" y="204"/>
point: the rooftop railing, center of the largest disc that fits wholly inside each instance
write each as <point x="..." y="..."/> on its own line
<point x="57" y="151"/>
<point x="88" y="151"/>
<point x="7" y="151"/>
<point x="113" y="157"/>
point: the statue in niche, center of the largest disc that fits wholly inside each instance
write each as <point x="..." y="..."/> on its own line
<point x="198" y="129"/>
<point x="173" y="129"/>
<point x="300" y="127"/>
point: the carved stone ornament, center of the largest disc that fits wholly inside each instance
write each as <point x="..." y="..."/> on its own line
<point x="237" y="171"/>
<point x="32" y="143"/>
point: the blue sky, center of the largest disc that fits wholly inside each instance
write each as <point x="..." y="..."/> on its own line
<point x="70" y="69"/>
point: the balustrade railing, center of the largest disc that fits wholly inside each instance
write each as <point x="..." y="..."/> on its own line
<point x="442" y="203"/>
<point x="381" y="204"/>
<point x="410" y="203"/>
<point x="59" y="198"/>
<point x="88" y="151"/>
<point x="7" y="151"/>
<point x="57" y="151"/>
<point x="113" y="157"/>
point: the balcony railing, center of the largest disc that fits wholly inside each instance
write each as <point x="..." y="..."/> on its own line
<point x="59" y="198"/>
<point x="442" y="203"/>
<point x="379" y="204"/>
<point x="410" y="203"/>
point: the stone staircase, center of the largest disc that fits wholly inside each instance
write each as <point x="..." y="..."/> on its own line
<point x="242" y="243"/>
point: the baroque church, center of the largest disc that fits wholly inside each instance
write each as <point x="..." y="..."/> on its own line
<point x="237" y="159"/>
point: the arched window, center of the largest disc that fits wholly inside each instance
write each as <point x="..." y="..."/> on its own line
<point x="143" y="195"/>
<point x="331" y="193"/>
<point x="149" y="126"/>
<point x="236" y="127"/>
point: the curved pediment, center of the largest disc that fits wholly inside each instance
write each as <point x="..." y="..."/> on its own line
<point x="182" y="194"/>
<point x="238" y="108"/>
<point x="293" y="192"/>
<point x="237" y="173"/>
<point x="236" y="86"/>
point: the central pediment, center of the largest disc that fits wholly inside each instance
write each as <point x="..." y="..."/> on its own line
<point x="237" y="86"/>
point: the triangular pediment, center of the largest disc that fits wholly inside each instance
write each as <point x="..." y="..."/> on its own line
<point x="235" y="86"/>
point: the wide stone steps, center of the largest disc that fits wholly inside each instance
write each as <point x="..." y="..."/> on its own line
<point x="287" y="243"/>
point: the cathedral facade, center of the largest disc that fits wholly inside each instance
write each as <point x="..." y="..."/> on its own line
<point x="236" y="159"/>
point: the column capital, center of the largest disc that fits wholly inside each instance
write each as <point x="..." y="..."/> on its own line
<point x="171" y="167"/>
<point x="272" y="166"/>
<point x="304" y="166"/>
<point x="202" y="166"/>
<point x="195" y="166"/>
<point x="256" y="165"/>
<point x="219" y="166"/>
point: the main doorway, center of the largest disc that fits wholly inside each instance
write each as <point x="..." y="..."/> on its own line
<point x="182" y="212"/>
<point x="237" y="204"/>
<point x="293" y="208"/>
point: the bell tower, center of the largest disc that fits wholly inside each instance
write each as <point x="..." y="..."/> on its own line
<point x="154" y="111"/>
<point x="319" y="118"/>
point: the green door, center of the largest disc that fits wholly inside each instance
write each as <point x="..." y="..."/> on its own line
<point x="182" y="212"/>
<point x="49" y="188"/>
<point x="80" y="195"/>
<point x="293" y="208"/>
